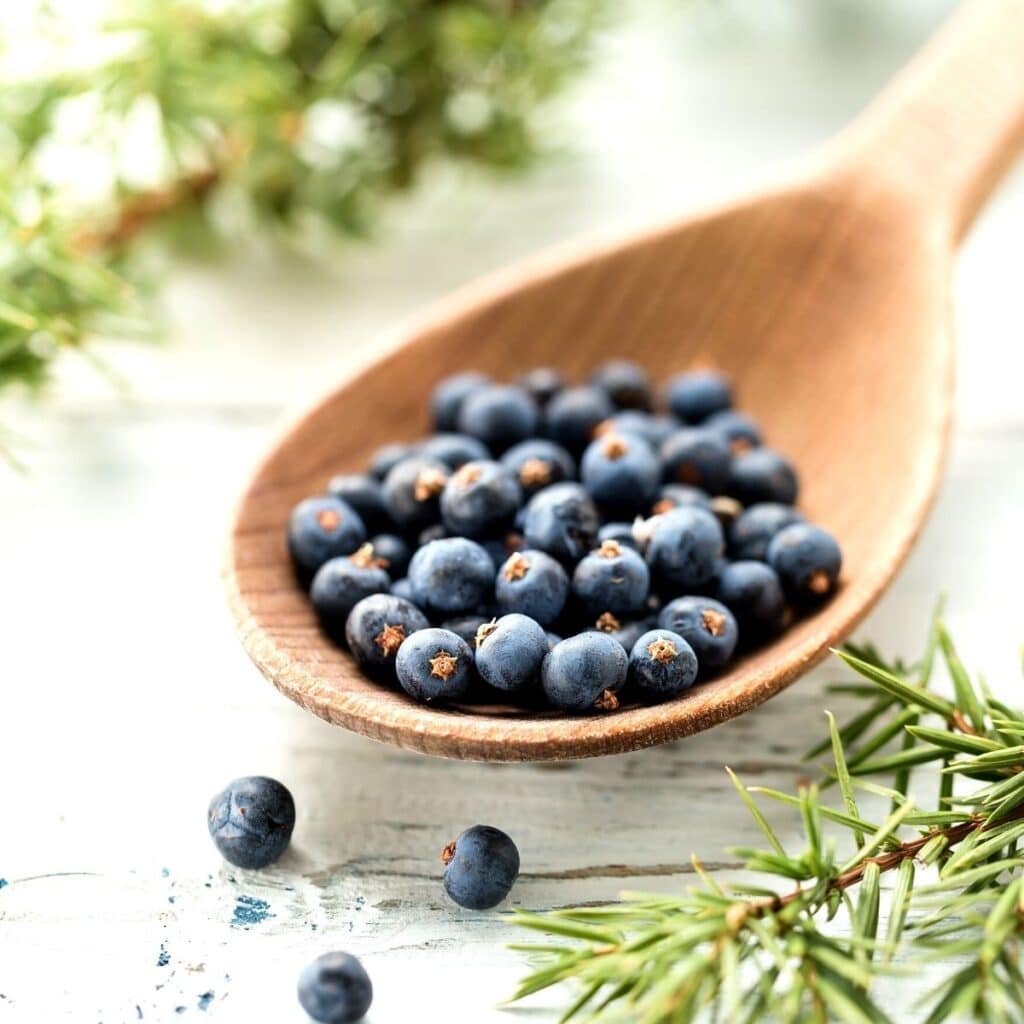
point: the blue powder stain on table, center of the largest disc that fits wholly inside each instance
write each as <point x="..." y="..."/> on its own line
<point x="205" y="999"/>
<point x="3" y="882"/>
<point x="165" y="872"/>
<point x="249" y="911"/>
<point x="164" y="958"/>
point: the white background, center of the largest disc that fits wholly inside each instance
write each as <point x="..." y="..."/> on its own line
<point x="126" y="701"/>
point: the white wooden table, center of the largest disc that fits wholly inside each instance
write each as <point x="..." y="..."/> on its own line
<point x="126" y="701"/>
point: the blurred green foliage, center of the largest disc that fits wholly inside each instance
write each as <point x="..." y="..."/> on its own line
<point x="298" y="116"/>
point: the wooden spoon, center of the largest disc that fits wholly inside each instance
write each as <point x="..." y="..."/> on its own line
<point x="826" y="299"/>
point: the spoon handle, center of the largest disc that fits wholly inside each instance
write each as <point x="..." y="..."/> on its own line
<point x="948" y="128"/>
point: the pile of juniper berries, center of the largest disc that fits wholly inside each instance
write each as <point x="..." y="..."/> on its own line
<point x="564" y="545"/>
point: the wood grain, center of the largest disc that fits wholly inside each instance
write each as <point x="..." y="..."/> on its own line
<point x="826" y="299"/>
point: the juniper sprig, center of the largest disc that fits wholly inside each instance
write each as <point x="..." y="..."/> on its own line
<point x="297" y="117"/>
<point x="810" y="945"/>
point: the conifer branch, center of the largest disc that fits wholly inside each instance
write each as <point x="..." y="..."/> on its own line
<point x="752" y="953"/>
<point x="297" y="118"/>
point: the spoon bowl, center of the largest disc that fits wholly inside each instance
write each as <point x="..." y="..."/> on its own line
<point x="826" y="300"/>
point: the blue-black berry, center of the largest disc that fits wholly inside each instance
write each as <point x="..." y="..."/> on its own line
<point x="698" y="457"/>
<point x="341" y="583"/>
<point x="563" y="521"/>
<point x="738" y="429"/>
<point x="534" y="584"/>
<point x="364" y="493"/>
<point x="453" y="576"/>
<point x="624" y="382"/>
<point x="698" y="394"/>
<point x="434" y="665"/>
<point x="499" y="416"/>
<point x="762" y="475"/>
<point x="335" y="989"/>
<point x="585" y="672"/>
<point x="621" y="472"/>
<point x="537" y="463"/>
<point x="706" y="625"/>
<point x="510" y="651"/>
<point x="661" y="665"/>
<point x="480" y="499"/>
<point x="466" y="626"/>
<point x="500" y="548"/>
<point x="320" y="529"/>
<point x="752" y="592"/>
<point x="612" y="579"/>
<point x="480" y="867"/>
<point x="752" y="531"/>
<point x="412" y="492"/>
<point x="377" y="627"/>
<point x="807" y="559"/>
<point x="685" y="549"/>
<point x="251" y="821"/>
<point x="392" y="554"/>
<point x="625" y="632"/>
<point x="450" y="394"/>
<point x="679" y="495"/>
<point x="454" y="450"/>
<point x="436" y="531"/>
<point x="542" y="384"/>
<point x="652" y="428"/>
<point x="621" y="533"/>
<point x="385" y="458"/>
<point x="573" y="415"/>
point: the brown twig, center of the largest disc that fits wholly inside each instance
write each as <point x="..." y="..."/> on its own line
<point x="143" y="209"/>
<point x="959" y="721"/>
<point x="908" y="850"/>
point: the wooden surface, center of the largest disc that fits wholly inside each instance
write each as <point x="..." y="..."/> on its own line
<point x="826" y="301"/>
<point x="127" y="700"/>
